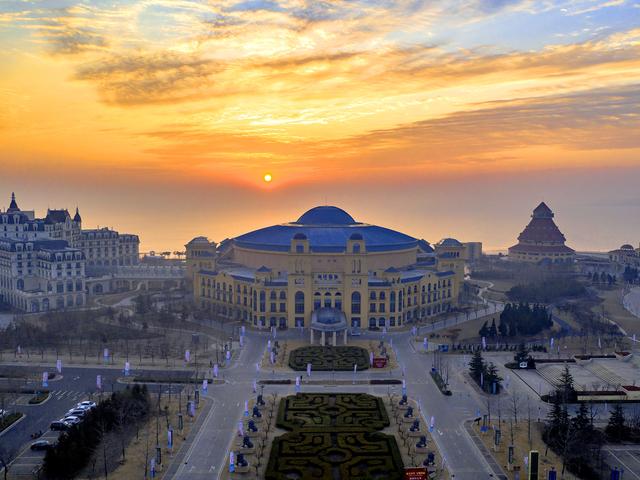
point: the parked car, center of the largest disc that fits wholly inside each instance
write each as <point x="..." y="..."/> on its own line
<point x="3" y="412"/>
<point x="71" y="420"/>
<point x="77" y="412"/>
<point x="87" y="404"/>
<point x="42" y="445"/>
<point x="59" y="426"/>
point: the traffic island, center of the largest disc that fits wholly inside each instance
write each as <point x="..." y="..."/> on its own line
<point x="9" y="420"/>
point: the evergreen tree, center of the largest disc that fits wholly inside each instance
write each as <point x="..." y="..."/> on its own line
<point x="484" y="331"/>
<point x="493" y="331"/>
<point x="617" y="429"/>
<point x="522" y="354"/>
<point x="492" y="376"/>
<point x="565" y="391"/>
<point x="476" y="366"/>
<point x="582" y="422"/>
<point x="503" y="329"/>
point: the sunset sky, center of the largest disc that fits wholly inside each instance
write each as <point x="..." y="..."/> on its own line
<point x="438" y="118"/>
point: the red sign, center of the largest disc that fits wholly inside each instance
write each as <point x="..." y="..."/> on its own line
<point x="379" y="362"/>
<point x="415" y="473"/>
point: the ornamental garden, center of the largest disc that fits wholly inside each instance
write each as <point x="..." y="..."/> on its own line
<point x="333" y="436"/>
<point x="329" y="358"/>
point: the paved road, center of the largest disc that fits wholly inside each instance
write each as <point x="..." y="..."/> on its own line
<point x="75" y="385"/>
<point x="624" y="457"/>
<point x="206" y="456"/>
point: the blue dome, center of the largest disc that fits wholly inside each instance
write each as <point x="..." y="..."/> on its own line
<point x="326" y="216"/>
<point x="325" y="237"/>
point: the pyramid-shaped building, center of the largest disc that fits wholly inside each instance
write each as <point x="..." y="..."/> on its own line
<point x="542" y="241"/>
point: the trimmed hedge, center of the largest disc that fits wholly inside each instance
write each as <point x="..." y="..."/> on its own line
<point x="341" y="358"/>
<point x="38" y="398"/>
<point x="333" y="436"/>
<point x="9" y="419"/>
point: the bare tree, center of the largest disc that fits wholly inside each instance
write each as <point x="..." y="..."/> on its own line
<point x="7" y="453"/>
<point x="515" y="403"/>
<point x="529" y="421"/>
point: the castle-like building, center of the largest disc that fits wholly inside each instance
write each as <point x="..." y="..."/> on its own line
<point x="626" y="256"/>
<point x="542" y="241"/>
<point x="280" y="275"/>
<point x="45" y="262"/>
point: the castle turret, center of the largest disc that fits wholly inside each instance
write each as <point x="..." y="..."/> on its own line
<point x="13" y="206"/>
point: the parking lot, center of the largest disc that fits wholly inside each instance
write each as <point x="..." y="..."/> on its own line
<point x="29" y="461"/>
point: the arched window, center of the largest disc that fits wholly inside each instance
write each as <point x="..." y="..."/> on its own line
<point x="327" y="300"/>
<point x="338" y="301"/>
<point x="372" y="296"/>
<point x="382" y="296"/>
<point x="273" y="295"/>
<point x="392" y="301"/>
<point x="283" y="295"/>
<point x="355" y="302"/>
<point x="356" y="248"/>
<point x="299" y="301"/>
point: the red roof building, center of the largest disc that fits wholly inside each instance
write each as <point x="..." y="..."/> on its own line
<point x="542" y="240"/>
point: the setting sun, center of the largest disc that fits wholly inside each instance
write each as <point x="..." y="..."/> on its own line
<point x="267" y="177"/>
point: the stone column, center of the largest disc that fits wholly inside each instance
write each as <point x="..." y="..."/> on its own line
<point x="311" y="330"/>
<point x="322" y="339"/>
<point x="345" y="336"/>
<point x="334" y="339"/>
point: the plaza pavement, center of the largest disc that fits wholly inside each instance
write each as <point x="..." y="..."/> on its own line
<point x="206" y="456"/>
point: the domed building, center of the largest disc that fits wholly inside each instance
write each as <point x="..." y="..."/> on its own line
<point x="625" y="256"/>
<point x="280" y="275"/>
<point x="542" y="241"/>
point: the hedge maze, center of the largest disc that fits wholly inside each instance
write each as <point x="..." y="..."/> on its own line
<point x="333" y="436"/>
<point x="329" y="358"/>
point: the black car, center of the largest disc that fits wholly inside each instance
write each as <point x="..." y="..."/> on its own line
<point x="59" y="426"/>
<point x="42" y="445"/>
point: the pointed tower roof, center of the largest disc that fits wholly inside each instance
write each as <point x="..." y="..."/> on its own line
<point x="13" y="206"/>
<point x="542" y="211"/>
<point x="77" y="218"/>
<point x="542" y="235"/>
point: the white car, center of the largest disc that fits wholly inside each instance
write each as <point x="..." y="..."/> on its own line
<point x="77" y="412"/>
<point x="71" y="420"/>
<point x="3" y="412"/>
<point x="87" y="404"/>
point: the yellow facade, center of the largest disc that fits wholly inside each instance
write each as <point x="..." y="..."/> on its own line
<point x="282" y="288"/>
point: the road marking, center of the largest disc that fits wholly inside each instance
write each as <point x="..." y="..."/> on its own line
<point x="626" y="467"/>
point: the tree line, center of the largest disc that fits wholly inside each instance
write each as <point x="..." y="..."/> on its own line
<point x="518" y="319"/>
<point x="630" y="274"/>
<point x="603" y="278"/>
<point x="120" y="413"/>
<point x="547" y="290"/>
